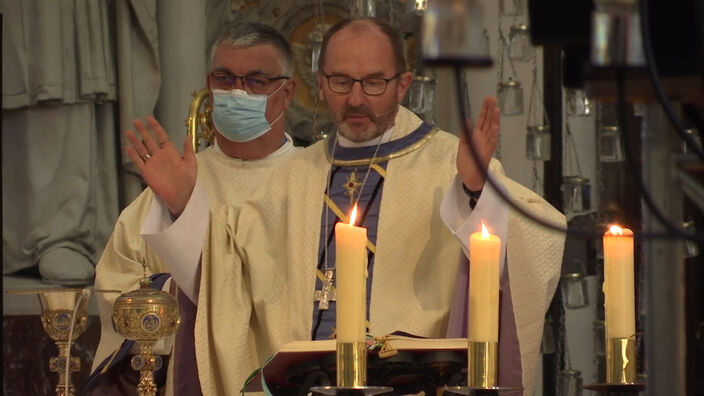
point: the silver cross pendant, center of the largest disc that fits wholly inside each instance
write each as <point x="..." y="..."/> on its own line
<point x="327" y="293"/>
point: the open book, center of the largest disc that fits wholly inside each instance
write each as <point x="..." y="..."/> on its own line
<point x="298" y="356"/>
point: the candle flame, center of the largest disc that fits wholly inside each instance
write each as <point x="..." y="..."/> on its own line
<point x="485" y="232"/>
<point x="353" y="215"/>
<point x="615" y="230"/>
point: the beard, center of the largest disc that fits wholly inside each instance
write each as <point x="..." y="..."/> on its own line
<point x="378" y="124"/>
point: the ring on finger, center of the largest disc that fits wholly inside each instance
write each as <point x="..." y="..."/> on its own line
<point x="146" y="157"/>
<point x="163" y="142"/>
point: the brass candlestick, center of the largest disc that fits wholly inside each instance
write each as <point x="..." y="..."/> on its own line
<point x="483" y="364"/>
<point x="351" y="372"/>
<point x="482" y="371"/>
<point x="621" y="361"/>
<point x="146" y="315"/>
<point x="621" y="365"/>
<point x="58" y="306"/>
<point x="351" y="364"/>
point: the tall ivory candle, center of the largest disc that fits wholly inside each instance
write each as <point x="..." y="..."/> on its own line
<point x="619" y="294"/>
<point x="484" y="253"/>
<point x="350" y="263"/>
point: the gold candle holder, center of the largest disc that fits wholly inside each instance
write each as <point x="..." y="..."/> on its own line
<point x="483" y="362"/>
<point x="351" y="364"/>
<point x="621" y="361"/>
<point x="351" y="372"/>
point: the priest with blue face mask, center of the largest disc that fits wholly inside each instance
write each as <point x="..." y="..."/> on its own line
<point x="250" y="88"/>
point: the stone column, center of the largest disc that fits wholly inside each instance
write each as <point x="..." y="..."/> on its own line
<point x="183" y="52"/>
<point x="665" y="339"/>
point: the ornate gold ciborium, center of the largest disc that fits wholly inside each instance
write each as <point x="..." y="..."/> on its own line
<point x="146" y="315"/>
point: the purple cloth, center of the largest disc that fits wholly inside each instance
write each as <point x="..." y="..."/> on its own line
<point x="185" y="372"/>
<point x="369" y="205"/>
<point x="510" y="369"/>
<point x="457" y="322"/>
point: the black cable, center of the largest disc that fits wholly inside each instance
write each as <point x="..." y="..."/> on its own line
<point x="375" y="192"/>
<point x="630" y="160"/>
<point x="493" y="183"/>
<point x="579" y="233"/>
<point x="318" y="321"/>
<point x="654" y="79"/>
<point x="331" y="232"/>
<point x="321" y="257"/>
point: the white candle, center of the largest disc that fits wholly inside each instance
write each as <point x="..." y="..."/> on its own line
<point x="619" y="294"/>
<point x="350" y="263"/>
<point x="484" y="253"/>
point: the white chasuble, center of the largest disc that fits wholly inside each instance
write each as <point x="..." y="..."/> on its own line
<point x="258" y="268"/>
<point x="225" y="179"/>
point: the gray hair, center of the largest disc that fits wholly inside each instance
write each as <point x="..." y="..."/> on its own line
<point x="248" y="34"/>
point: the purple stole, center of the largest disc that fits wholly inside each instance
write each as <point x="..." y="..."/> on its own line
<point x="343" y="179"/>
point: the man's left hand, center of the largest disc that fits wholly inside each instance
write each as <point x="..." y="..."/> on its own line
<point x="485" y="135"/>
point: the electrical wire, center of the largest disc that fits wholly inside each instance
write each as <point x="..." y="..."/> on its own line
<point x="630" y="160"/>
<point x="654" y="79"/>
<point x="85" y="293"/>
<point x="579" y="233"/>
<point x="493" y="183"/>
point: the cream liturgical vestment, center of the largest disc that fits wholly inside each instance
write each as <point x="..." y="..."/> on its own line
<point x="226" y="181"/>
<point x="258" y="264"/>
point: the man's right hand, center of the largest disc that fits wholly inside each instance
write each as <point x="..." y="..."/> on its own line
<point x="171" y="176"/>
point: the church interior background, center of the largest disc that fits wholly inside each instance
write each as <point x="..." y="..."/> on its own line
<point x="560" y="136"/>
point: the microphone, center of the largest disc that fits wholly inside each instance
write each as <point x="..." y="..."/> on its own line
<point x="386" y="112"/>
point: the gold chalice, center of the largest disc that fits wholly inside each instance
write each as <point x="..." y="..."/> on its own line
<point x="58" y="309"/>
<point x="146" y="315"/>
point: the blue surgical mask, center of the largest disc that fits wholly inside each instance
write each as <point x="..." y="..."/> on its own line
<point x="239" y="116"/>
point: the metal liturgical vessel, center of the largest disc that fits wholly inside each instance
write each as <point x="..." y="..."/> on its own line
<point x="146" y="315"/>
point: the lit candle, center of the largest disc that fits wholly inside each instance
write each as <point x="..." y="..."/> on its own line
<point x="619" y="294"/>
<point x="484" y="253"/>
<point x="350" y="263"/>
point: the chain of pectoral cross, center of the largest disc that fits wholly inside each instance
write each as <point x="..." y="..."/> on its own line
<point x="327" y="293"/>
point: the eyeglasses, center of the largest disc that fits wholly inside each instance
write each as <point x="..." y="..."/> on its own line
<point x="373" y="86"/>
<point x="256" y="84"/>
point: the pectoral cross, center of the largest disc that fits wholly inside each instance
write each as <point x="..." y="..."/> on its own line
<point x="352" y="185"/>
<point x="327" y="293"/>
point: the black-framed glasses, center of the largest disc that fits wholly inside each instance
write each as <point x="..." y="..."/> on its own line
<point x="372" y="86"/>
<point x="255" y="83"/>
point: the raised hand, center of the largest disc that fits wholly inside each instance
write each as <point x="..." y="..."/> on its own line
<point x="170" y="175"/>
<point x="485" y="135"/>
